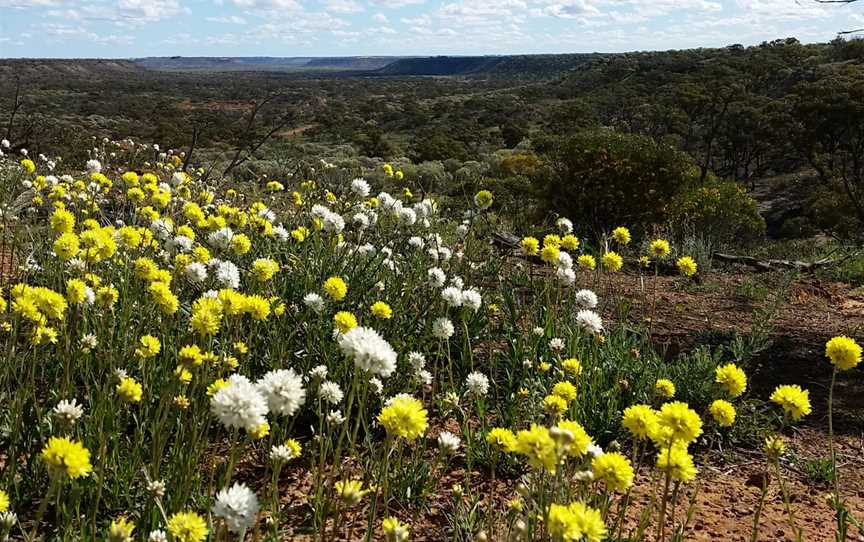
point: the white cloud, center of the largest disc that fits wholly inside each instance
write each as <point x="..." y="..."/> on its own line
<point x="380" y="18"/>
<point x="57" y="32"/>
<point x="784" y="8"/>
<point x="393" y="4"/>
<point x="24" y="4"/>
<point x="423" y="20"/>
<point x="268" y="4"/>
<point x="68" y="14"/>
<point x="343" y="6"/>
<point x="149" y="11"/>
<point x="230" y="19"/>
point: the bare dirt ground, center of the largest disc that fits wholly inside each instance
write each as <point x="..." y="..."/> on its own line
<point x="806" y="313"/>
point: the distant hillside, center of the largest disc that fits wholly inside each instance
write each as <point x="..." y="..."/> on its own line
<point x="515" y="66"/>
<point x="182" y="63"/>
<point x="527" y="66"/>
<point x="352" y="62"/>
<point x="272" y="64"/>
<point x="57" y="69"/>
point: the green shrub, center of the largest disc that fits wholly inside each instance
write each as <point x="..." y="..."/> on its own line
<point x="607" y="178"/>
<point x="721" y="211"/>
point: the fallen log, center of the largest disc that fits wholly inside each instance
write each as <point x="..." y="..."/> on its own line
<point x="763" y="265"/>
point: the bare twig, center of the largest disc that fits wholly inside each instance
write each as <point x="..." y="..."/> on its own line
<point x="16" y="104"/>
<point x="768" y="265"/>
<point x="195" y="133"/>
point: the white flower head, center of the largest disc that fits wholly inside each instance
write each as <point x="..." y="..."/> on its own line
<point x="281" y="454"/>
<point x="178" y="178"/>
<point x="367" y="250"/>
<point x="565" y="260"/>
<point x="228" y="275"/>
<point x="283" y="389"/>
<point x="423" y="377"/>
<point x="590" y="321"/>
<point x="8" y="519"/>
<point x="330" y="392"/>
<point x="407" y="217"/>
<point x="360" y="220"/>
<point x="448" y="443"/>
<point x="556" y="344"/>
<point x="161" y="229"/>
<point x="156" y="488"/>
<point x="94" y="166"/>
<point x="565" y="226"/>
<point x="377" y="385"/>
<point x="238" y="507"/>
<point x="195" y="272"/>
<point x="319" y="372"/>
<point x="335" y="417"/>
<point x="333" y="223"/>
<point x="239" y="404"/>
<point x="221" y="238"/>
<point x="68" y="412"/>
<point x="314" y="302"/>
<point x="369" y="351"/>
<point x="360" y="187"/>
<point x="477" y="384"/>
<point x="471" y="299"/>
<point x="566" y="276"/>
<point x="281" y="233"/>
<point x="585" y="299"/>
<point x="89" y="341"/>
<point x="157" y="536"/>
<point x="417" y="361"/>
<point x="442" y="328"/>
<point x="452" y="296"/>
<point x="595" y="450"/>
<point x="436" y="277"/>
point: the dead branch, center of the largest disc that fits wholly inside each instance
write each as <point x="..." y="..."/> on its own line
<point x="762" y="265"/>
<point x="249" y="144"/>
<point x="195" y="133"/>
<point x="16" y="105"/>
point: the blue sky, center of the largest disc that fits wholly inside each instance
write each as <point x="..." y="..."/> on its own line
<point x="135" y="28"/>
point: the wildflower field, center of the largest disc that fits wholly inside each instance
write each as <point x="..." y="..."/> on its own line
<point x="342" y="357"/>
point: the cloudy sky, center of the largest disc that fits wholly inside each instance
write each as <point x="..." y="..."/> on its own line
<point x="136" y="28"/>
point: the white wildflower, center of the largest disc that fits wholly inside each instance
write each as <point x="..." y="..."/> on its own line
<point x="471" y="299"/>
<point x="239" y="404"/>
<point x="283" y="389"/>
<point x="452" y="296"/>
<point x="436" y="277"/>
<point x="590" y="321"/>
<point x="330" y="392"/>
<point x="585" y="299"/>
<point x="442" y="328"/>
<point x="477" y="384"/>
<point x="369" y="351"/>
<point x="314" y="302"/>
<point x="195" y="272"/>
<point x="360" y="187"/>
<point x="68" y="412"/>
<point x="448" y="443"/>
<point x="238" y="507"/>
